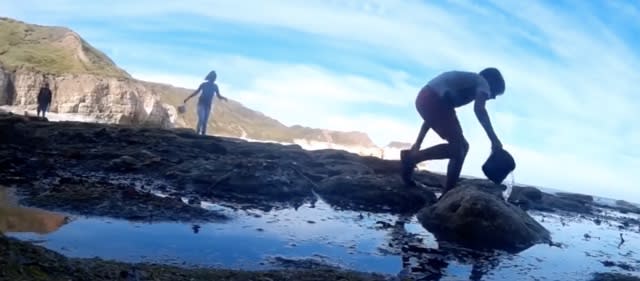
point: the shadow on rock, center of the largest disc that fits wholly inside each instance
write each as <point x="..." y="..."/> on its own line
<point x="475" y="218"/>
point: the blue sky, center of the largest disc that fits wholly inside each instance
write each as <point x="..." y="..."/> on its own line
<point x="571" y="68"/>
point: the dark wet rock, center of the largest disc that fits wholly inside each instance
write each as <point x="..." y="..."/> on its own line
<point x="24" y="261"/>
<point x="551" y="202"/>
<point x="262" y="180"/>
<point x="264" y="175"/>
<point x="374" y="193"/>
<point x="125" y="164"/>
<point x="625" y="206"/>
<point x="525" y="195"/>
<point x="621" y="265"/>
<point x="94" y="198"/>
<point x="381" y="166"/>
<point x="304" y="263"/>
<point x="610" y="276"/>
<point x="475" y="218"/>
<point x="194" y="201"/>
<point x="531" y="198"/>
<point x="575" y="197"/>
<point x="484" y="185"/>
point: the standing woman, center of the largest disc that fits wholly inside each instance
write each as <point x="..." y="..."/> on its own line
<point x="209" y="89"/>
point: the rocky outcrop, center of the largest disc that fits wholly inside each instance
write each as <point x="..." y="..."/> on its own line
<point x="374" y="193"/>
<point x="477" y="219"/>
<point x="111" y="100"/>
<point x="575" y="197"/>
<point x="108" y="159"/>
<point x="627" y="207"/>
<point x="531" y="198"/>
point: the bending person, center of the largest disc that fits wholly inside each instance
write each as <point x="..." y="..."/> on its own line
<point x="436" y="103"/>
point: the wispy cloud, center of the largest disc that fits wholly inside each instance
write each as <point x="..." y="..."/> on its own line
<point x="571" y="68"/>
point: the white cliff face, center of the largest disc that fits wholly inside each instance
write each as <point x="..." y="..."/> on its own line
<point x="112" y="100"/>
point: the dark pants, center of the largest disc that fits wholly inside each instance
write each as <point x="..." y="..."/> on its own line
<point x="42" y="108"/>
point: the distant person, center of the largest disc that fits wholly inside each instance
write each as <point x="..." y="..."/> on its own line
<point x="209" y="89"/>
<point x="436" y="104"/>
<point x="44" y="100"/>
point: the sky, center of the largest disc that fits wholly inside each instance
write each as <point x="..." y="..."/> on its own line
<point x="568" y="115"/>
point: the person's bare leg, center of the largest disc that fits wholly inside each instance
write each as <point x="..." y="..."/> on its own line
<point x="440" y="151"/>
<point x="410" y="160"/>
<point x="458" y="152"/>
<point x="407" y="157"/>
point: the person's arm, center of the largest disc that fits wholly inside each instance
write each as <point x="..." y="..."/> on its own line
<point x="423" y="132"/>
<point x="50" y="98"/>
<point x="219" y="95"/>
<point x="483" y="118"/>
<point x="194" y="93"/>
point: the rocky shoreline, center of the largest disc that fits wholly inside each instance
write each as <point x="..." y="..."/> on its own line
<point x="153" y="174"/>
<point x="23" y="261"/>
<point x="44" y="160"/>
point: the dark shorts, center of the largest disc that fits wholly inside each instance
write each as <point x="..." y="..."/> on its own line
<point x="440" y="115"/>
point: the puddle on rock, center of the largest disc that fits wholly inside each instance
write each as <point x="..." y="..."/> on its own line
<point x="316" y="236"/>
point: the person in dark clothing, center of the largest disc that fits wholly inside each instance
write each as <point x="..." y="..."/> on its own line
<point x="436" y="103"/>
<point x="209" y="89"/>
<point x="44" y="99"/>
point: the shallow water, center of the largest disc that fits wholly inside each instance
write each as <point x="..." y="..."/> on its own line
<point x="353" y="240"/>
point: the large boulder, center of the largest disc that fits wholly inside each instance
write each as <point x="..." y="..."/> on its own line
<point x="474" y="218"/>
<point x="375" y="193"/>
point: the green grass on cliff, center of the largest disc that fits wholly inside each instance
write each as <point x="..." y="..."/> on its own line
<point x="41" y="48"/>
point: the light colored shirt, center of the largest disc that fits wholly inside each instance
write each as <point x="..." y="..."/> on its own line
<point x="460" y="87"/>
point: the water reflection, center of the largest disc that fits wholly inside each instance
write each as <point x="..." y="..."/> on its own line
<point x="14" y="218"/>
<point x="383" y="243"/>
<point x="422" y="262"/>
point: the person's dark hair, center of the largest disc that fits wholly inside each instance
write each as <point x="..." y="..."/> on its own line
<point x="495" y="80"/>
<point x="211" y="76"/>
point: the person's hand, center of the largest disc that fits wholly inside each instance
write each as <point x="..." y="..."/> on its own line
<point x="185" y="100"/>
